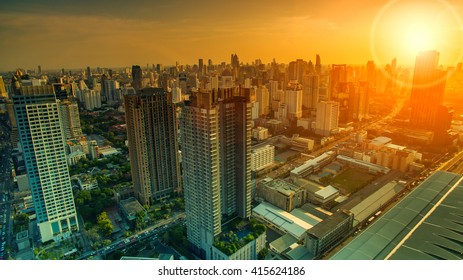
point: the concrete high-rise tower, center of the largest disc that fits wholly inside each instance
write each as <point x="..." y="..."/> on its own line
<point x="427" y="90"/>
<point x="310" y="91"/>
<point x="327" y="117"/>
<point x="216" y="141"/>
<point x="153" y="147"/>
<point x="137" y="77"/>
<point x="70" y="120"/>
<point x="427" y="96"/>
<point x="41" y="135"/>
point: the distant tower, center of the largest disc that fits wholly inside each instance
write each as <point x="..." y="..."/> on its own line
<point x="3" y="93"/>
<point x="294" y="101"/>
<point x="310" y="90"/>
<point x="42" y="140"/>
<point x="338" y="78"/>
<point x="70" y="120"/>
<point x="137" y="77"/>
<point x="153" y="147"/>
<point x="201" y="66"/>
<point x="426" y="99"/>
<point x="39" y="70"/>
<point x="318" y="65"/>
<point x="327" y="117"/>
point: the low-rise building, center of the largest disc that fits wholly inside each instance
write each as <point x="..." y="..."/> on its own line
<point x="326" y="234"/>
<point x="313" y="165"/>
<point x="282" y="194"/>
<point x="262" y="157"/>
<point x="370" y="167"/>
<point x="87" y="182"/>
<point x="130" y="207"/>
<point x="260" y="133"/>
<point x="75" y="156"/>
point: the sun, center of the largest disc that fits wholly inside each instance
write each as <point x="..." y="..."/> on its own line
<point x="403" y="28"/>
<point x="419" y="37"/>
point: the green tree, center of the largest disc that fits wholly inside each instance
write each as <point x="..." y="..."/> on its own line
<point x="104" y="224"/>
<point x="140" y="220"/>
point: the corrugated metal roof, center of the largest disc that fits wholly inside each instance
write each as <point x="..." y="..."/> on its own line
<point x="434" y="225"/>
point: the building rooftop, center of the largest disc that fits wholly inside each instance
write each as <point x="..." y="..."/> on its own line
<point x="381" y="140"/>
<point x="426" y="224"/>
<point x="282" y="186"/>
<point x="327" y="192"/>
<point x="131" y="207"/>
<point x="395" y="147"/>
<point x="312" y="162"/>
<point x="285" y="221"/>
<point x="283" y="243"/>
<point x="330" y="223"/>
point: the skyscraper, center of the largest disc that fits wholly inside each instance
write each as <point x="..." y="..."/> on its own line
<point x="69" y="119"/>
<point x="310" y="90"/>
<point x="427" y="90"/>
<point x="3" y="93"/>
<point x="294" y="101"/>
<point x="153" y="147"/>
<point x="426" y="99"/>
<point x="41" y="136"/>
<point x="216" y="141"/>
<point x="318" y="65"/>
<point x="137" y="77"/>
<point x="338" y="77"/>
<point x="327" y="117"/>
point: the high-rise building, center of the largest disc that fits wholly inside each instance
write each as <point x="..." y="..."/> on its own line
<point x="318" y="65"/>
<point x="338" y="78"/>
<point x="153" y="147"/>
<point x="137" y="77"/>
<point x="42" y="140"/>
<point x="69" y="118"/>
<point x="3" y="93"/>
<point x="109" y="89"/>
<point x="427" y="92"/>
<point x="294" y="101"/>
<point x="310" y="91"/>
<point x="216" y="160"/>
<point x="296" y="69"/>
<point x="91" y="99"/>
<point x="359" y="95"/>
<point x="263" y="98"/>
<point x="327" y="117"/>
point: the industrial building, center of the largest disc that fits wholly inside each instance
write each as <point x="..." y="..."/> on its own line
<point x="424" y="225"/>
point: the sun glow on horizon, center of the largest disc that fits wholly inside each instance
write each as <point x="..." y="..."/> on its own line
<point x="405" y="28"/>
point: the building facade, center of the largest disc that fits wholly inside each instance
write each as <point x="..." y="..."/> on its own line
<point x="327" y="117"/>
<point x="41" y="135"/>
<point x="153" y="146"/>
<point x="216" y="161"/>
<point x="70" y="119"/>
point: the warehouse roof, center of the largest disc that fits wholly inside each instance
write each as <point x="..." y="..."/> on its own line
<point x="426" y="224"/>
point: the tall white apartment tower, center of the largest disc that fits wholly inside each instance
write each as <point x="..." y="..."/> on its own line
<point x="294" y="101"/>
<point x="42" y="139"/>
<point x="327" y="117"/>
<point x="215" y="143"/>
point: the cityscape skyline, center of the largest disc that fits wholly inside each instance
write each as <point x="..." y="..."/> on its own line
<point x="231" y="130"/>
<point x="74" y="36"/>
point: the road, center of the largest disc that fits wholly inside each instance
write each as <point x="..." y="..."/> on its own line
<point x="6" y="236"/>
<point x="142" y="235"/>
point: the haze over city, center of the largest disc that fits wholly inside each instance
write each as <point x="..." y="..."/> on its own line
<point x="74" y="34"/>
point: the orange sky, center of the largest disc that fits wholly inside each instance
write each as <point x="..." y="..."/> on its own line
<point x="123" y="33"/>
